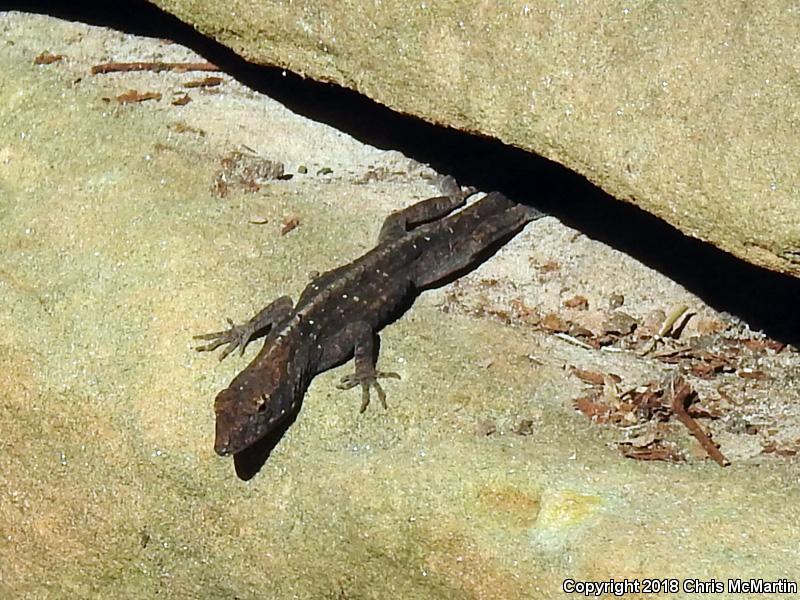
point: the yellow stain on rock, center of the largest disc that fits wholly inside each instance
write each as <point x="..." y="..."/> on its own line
<point x="515" y="507"/>
<point x="565" y="509"/>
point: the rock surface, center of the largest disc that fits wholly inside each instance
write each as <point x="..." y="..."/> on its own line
<point x="687" y="110"/>
<point x="129" y="227"/>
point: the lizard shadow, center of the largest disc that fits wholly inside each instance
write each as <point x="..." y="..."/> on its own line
<point x="249" y="461"/>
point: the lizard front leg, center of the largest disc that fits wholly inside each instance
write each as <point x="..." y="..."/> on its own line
<point x="238" y="336"/>
<point x="365" y="373"/>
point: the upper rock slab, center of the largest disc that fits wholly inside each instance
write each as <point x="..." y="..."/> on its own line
<point x="688" y="110"/>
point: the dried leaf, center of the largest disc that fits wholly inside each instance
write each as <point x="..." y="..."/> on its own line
<point x="764" y="344"/>
<point x="45" y="58"/>
<point x="576" y="330"/>
<point x="590" y="407"/>
<point x="657" y="451"/>
<point x="579" y="302"/>
<point x="205" y="82"/>
<point x="751" y="374"/>
<point x="182" y="100"/>
<point x="592" y="377"/>
<point x="773" y="448"/>
<point x="289" y="223"/>
<point x="525" y="312"/>
<point x="650" y="404"/>
<point x="705" y="370"/>
<point x="132" y="96"/>
<point x="549" y="267"/>
<point x="640" y="441"/>
<point x="553" y="322"/>
<point x="710" y="326"/>
<point x="624" y="415"/>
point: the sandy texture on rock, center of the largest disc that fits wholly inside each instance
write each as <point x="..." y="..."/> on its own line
<point x="689" y="111"/>
<point x="119" y="243"/>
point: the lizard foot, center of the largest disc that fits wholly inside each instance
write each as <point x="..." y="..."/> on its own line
<point x="366" y="382"/>
<point x="237" y="336"/>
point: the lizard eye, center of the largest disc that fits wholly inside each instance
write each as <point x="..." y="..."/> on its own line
<point x="261" y="403"/>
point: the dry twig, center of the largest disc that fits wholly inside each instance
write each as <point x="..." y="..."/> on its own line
<point x="681" y="391"/>
<point x="124" y="67"/>
<point x="572" y="340"/>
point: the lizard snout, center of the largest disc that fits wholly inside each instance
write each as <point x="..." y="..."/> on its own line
<point x="242" y="419"/>
<point x="222" y="446"/>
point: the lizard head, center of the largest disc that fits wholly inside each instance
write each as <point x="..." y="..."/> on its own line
<point x="251" y="408"/>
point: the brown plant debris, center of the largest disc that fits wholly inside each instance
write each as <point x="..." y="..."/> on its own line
<point x="132" y="96"/>
<point x="747" y="373"/>
<point x="205" y="82"/>
<point x="681" y="392"/>
<point x="553" y="322"/>
<point x="666" y="327"/>
<point x="592" y="377"/>
<point x="579" y="302"/>
<point x="551" y="266"/>
<point x="123" y="67"/>
<point x="245" y="171"/>
<point x="700" y="362"/>
<point x="657" y="450"/>
<point x="524" y="312"/>
<point x="593" y="407"/>
<point x="782" y="450"/>
<point x="289" y="224"/>
<point x="45" y="58"/>
<point x="181" y="127"/>
<point x="762" y="345"/>
<point x="651" y="405"/>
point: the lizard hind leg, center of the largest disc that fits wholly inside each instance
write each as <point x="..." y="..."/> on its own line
<point x="365" y="374"/>
<point x="468" y="246"/>
<point x="425" y="211"/>
<point x="400" y="222"/>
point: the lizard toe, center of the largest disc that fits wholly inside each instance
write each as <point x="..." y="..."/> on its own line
<point x="236" y="336"/>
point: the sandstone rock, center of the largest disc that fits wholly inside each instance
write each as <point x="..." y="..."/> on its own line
<point x="689" y="111"/>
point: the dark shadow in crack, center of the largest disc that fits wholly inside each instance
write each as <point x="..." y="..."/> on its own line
<point x="766" y="300"/>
